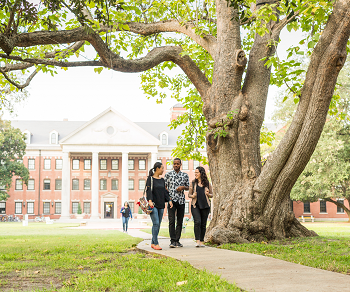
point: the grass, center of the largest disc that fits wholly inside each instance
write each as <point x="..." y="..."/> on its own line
<point x="44" y="257"/>
<point x="329" y="251"/>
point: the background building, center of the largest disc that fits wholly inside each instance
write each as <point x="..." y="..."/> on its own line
<point x="98" y="164"/>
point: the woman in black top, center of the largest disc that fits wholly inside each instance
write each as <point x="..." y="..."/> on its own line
<point x="200" y="192"/>
<point x="126" y="214"/>
<point x="157" y="195"/>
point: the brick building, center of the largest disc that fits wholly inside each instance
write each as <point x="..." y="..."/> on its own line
<point x="99" y="164"/>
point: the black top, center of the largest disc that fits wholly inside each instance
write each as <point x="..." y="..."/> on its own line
<point x="158" y="195"/>
<point x="126" y="212"/>
<point x="202" y="202"/>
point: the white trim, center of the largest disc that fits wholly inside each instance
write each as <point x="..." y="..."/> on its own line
<point x="46" y="200"/>
<point x="154" y="140"/>
<point x="30" y="201"/>
<point x="18" y="200"/>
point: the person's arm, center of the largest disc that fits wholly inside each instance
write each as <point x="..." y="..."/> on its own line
<point x="121" y="210"/>
<point x="191" y="195"/>
<point x="209" y="191"/>
<point x="186" y="185"/>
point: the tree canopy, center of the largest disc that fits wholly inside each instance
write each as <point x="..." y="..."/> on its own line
<point x="12" y="150"/>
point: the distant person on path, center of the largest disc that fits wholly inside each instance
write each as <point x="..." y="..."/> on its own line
<point x="157" y="195"/>
<point x="200" y="192"/>
<point x="126" y="214"/>
<point x="176" y="182"/>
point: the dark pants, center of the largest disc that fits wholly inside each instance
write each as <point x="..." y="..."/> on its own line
<point x="178" y="212"/>
<point x="200" y="217"/>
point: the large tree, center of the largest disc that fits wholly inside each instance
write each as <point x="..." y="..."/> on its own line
<point x="12" y="150"/>
<point x="226" y="50"/>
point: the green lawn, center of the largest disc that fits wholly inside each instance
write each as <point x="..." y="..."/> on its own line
<point x="330" y="251"/>
<point x="44" y="257"/>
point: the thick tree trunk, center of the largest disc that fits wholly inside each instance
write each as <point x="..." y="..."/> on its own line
<point x="251" y="203"/>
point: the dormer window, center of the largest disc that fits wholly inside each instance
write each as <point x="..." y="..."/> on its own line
<point x="53" y="137"/>
<point x="164" y="138"/>
<point x="27" y="136"/>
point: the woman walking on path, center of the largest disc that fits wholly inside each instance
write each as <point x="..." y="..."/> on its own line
<point x="157" y="195"/>
<point x="126" y="214"/>
<point x="200" y="192"/>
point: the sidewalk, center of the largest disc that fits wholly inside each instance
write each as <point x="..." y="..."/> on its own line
<point x="253" y="272"/>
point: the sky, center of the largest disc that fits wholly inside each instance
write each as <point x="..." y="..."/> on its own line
<point x="80" y="94"/>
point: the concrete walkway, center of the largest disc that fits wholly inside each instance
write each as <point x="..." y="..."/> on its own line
<point x="253" y="272"/>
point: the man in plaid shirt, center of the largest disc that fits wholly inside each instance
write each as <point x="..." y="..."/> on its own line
<point x="176" y="182"/>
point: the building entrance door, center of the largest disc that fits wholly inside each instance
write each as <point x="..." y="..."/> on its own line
<point x="109" y="210"/>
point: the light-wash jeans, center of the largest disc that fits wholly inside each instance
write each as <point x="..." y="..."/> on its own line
<point x="125" y="223"/>
<point x="156" y="217"/>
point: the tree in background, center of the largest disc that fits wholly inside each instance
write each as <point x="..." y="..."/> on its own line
<point x="327" y="175"/>
<point x="12" y="150"/>
<point x="226" y="50"/>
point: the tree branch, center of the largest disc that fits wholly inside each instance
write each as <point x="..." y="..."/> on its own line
<point x="19" y="86"/>
<point x="53" y="62"/>
<point x="72" y="49"/>
<point x="16" y="67"/>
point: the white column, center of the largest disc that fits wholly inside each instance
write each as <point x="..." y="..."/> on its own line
<point x="65" y="194"/>
<point x="154" y="158"/>
<point x="94" y="186"/>
<point x="125" y="177"/>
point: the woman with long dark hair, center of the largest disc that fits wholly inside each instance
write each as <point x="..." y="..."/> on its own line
<point x="200" y="192"/>
<point x="126" y="214"/>
<point x="157" y="195"/>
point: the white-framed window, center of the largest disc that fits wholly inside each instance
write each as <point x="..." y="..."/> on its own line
<point x="47" y="164"/>
<point x="87" y="184"/>
<point x="58" y="184"/>
<point x="115" y="184"/>
<point x="18" y="207"/>
<point x="195" y="164"/>
<point x="30" y="186"/>
<point x="131" y="205"/>
<point x="75" y="184"/>
<point x="169" y="164"/>
<point x="323" y="206"/>
<point x="59" y="164"/>
<point x="53" y="138"/>
<point x="131" y="164"/>
<point x="115" y="164"/>
<point x="75" y="207"/>
<point x="131" y="184"/>
<point x="185" y="165"/>
<point x="19" y="185"/>
<point x="307" y="207"/>
<point x="47" y="184"/>
<point x="142" y="164"/>
<point x="87" y="164"/>
<point x="187" y="207"/>
<point x="20" y="160"/>
<point x="2" y="207"/>
<point x="75" y="164"/>
<point x="87" y="207"/>
<point x="340" y="209"/>
<point x="30" y="207"/>
<point x="142" y="184"/>
<point x="103" y="184"/>
<point x="103" y="164"/>
<point x="164" y="138"/>
<point x="58" y="207"/>
<point x="31" y="164"/>
<point x="46" y="208"/>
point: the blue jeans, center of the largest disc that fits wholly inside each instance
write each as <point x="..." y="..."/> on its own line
<point x="125" y="223"/>
<point x="156" y="217"/>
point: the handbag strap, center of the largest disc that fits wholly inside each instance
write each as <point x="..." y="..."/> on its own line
<point x="144" y="191"/>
